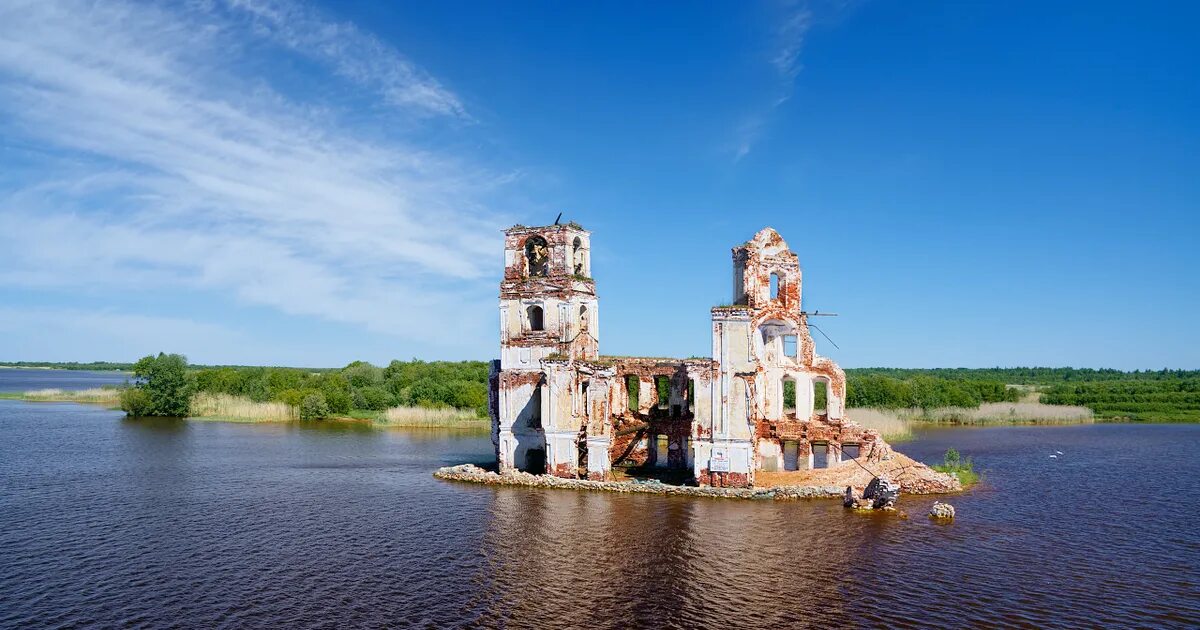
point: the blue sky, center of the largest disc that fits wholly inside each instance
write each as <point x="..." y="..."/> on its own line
<point x="274" y="182"/>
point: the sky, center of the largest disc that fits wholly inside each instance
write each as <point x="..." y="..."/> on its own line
<point x="283" y="182"/>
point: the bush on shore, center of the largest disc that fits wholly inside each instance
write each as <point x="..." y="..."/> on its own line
<point x="135" y="402"/>
<point x="314" y="407"/>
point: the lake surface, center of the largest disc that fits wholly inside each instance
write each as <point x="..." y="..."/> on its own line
<point x="112" y="522"/>
<point x="23" y="380"/>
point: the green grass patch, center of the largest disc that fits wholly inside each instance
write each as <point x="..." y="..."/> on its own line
<point x="962" y="468"/>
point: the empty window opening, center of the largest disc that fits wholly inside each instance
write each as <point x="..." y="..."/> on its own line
<point x="583" y="318"/>
<point x="850" y="451"/>
<point x="535" y="318"/>
<point x="633" y="387"/>
<point x="790" y="346"/>
<point x="691" y="394"/>
<point x="577" y="257"/>
<point x="791" y="455"/>
<point x="789" y="395"/>
<point x="820" y="455"/>
<point x="821" y="397"/>
<point x="662" y="450"/>
<point x="775" y="285"/>
<point x="535" y="461"/>
<point x="662" y="389"/>
<point x="537" y="256"/>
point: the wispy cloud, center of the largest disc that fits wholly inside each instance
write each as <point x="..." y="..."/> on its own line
<point x="353" y="54"/>
<point x="157" y="160"/>
<point x="789" y="35"/>
<point x="793" y="21"/>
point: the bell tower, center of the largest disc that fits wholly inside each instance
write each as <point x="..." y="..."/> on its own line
<point x="548" y="308"/>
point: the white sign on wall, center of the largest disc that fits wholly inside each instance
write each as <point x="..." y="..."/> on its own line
<point x="719" y="461"/>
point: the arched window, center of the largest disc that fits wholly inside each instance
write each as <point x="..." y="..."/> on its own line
<point x="577" y="257"/>
<point x="537" y="256"/>
<point x="583" y="318"/>
<point x="776" y="285"/>
<point x="535" y="317"/>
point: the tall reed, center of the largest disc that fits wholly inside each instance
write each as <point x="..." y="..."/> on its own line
<point x="888" y="422"/>
<point x="430" y="417"/>
<point x="993" y="413"/>
<point x="209" y="406"/>
<point x="96" y="395"/>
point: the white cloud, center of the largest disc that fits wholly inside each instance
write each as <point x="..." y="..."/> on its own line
<point x="89" y="333"/>
<point x="163" y="164"/>
<point x="358" y="56"/>
<point x="790" y="34"/>
<point x="795" y="18"/>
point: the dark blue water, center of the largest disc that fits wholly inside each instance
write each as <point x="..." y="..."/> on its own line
<point x="111" y="522"/>
<point x="22" y="380"/>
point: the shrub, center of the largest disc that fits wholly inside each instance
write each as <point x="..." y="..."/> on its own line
<point x="339" y="401"/>
<point x="963" y="469"/>
<point x="313" y="407"/>
<point x="135" y="401"/>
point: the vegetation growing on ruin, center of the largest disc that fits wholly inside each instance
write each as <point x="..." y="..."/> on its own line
<point x="963" y="468"/>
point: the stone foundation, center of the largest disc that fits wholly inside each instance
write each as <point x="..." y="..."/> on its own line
<point x="474" y="474"/>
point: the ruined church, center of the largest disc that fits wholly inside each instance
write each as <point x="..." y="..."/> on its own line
<point x="560" y="407"/>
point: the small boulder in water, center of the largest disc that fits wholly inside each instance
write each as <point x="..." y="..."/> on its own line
<point x="941" y="511"/>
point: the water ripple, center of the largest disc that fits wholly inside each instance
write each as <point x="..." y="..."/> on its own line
<point x="108" y="522"/>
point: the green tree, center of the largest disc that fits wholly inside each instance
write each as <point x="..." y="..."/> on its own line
<point x="164" y="380"/>
<point x="363" y="374"/>
<point x="373" y="398"/>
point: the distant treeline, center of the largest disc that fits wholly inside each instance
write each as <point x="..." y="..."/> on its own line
<point x="924" y="391"/>
<point x="1167" y="400"/>
<point x="164" y="384"/>
<point x="1029" y="375"/>
<point x="95" y="366"/>
<point x="358" y="386"/>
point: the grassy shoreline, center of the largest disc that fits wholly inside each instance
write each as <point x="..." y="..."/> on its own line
<point x="238" y="410"/>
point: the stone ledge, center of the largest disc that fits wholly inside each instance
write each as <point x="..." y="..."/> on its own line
<point x="474" y="474"/>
